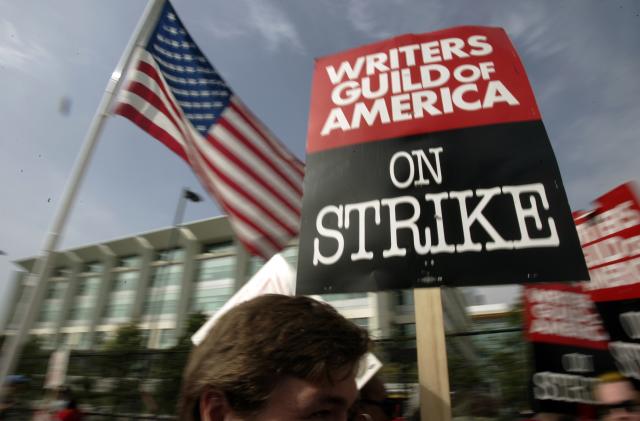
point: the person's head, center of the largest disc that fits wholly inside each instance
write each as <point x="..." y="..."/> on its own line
<point x="617" y="398"/>
<point x="274" y="358"/>
<point x="373" y="403"/>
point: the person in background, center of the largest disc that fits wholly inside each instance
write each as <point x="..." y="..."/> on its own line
<point x="617" y="398"/>
<point x="274" y="358"/>
<point x="373" y="403"/>
<point x="70" y="412"/>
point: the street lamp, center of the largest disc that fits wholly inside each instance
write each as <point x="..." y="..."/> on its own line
<point x="166" y="259"/>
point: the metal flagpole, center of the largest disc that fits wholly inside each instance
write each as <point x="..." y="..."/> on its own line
<point x="36" y="281"/>
<point x="185" y="195"/>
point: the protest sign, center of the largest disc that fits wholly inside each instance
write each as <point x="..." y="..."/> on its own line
<point x="569" y="346"/>
<point x="610" y="237"/>
<point x="57" y="369"/>
<point x="428" y="164"/>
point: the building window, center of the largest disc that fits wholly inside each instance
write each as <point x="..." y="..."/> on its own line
<point x="167" y="338"/>
<point x="93" y="267"/>
<point x="408" y="330"/>
<point x="404" y="297"/>
<point x="125" y="281"/>
<point x="160" y="306"/>
<point x="218" y="248"/>
<point x="144" y="335"/>
<point x="129" y="262"/>
<point x="80" y="314"/>
<point x="173" y="255"/>
<point x="166" y="275"/>
<point x="99" y="338"/>
<point x="363" y="322"/>
<point x="209" y="300"/>
<point x="84" y="341"/>
<point x="60" y="272"/>
<point x="55" y="289"/>
<point x="88" y="286"/>
<point x="49" y="312"/>
<point x="216" y="268"/>
<point x="346" y="296"/>
<point x="290" y="254"/>
<point x="118" y="310"/>
<point x="255" y="264"/>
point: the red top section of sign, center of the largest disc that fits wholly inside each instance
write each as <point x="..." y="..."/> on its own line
<point x="610" y="239"/>
<point x="450" y="79"/>
<point x="562" y="314"/>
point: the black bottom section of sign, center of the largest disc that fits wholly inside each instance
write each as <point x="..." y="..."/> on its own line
<point x="499" y="158"/>
<point x="621" y="319"/>
<point x="564" y="376"/>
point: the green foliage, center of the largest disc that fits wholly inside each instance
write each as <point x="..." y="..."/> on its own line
<point x="512" y="365"/>
<point x="171" y="366"/>
<point x="128" y="338"/>
<point x="194" y="322"/>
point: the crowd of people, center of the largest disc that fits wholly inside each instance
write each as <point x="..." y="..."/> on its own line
<point x="285" y="358"/>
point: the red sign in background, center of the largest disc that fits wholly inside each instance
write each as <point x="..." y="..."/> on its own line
<point x="450" y="48"/>
<point x="562" y="314"/>
<point x="610" y="239"/>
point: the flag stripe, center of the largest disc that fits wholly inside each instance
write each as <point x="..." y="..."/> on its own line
<point x="275" y="144"/>
<point x="153" y="72"/>
<point x="221" y="162"/>
<point x="251" y="239"/>
<point x="229" y="187"/>
<point x="157" y="116"/>
<point x="258" y="143"/>
<point x="132" y="113"/>
<point x="235" y="146"/>
<point x="235" y="143"/>
<point x="244" y="169"/>
<point x="239" y="209"/>
<point x="172" y="92"/>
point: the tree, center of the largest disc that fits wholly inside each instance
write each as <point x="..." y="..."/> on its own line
<point x="127" y="365"/>
<point x="511" y="362"/>
<point x="172" y="363"/>
<point x="128" y="337"/>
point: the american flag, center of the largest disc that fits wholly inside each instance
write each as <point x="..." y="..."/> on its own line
<point x="172" y="92"/>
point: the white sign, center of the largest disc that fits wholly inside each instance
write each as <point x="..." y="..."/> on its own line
<point x="57" y="369"/>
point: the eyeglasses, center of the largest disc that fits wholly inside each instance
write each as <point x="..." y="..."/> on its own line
<point x="627" y="406"/>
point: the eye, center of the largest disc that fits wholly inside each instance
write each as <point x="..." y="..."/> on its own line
<point x="321" y="414"/>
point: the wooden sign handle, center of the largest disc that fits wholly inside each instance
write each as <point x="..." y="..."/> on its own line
<point x="435" y="400"/>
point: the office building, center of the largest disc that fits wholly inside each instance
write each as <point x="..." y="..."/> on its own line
<point x="158" y="278"/>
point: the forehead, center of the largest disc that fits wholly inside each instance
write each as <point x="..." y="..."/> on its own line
<point x="294" y="396"/>
<point x="613" y="392"/>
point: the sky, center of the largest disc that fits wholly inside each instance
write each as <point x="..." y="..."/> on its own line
<point x="581" y="57"/>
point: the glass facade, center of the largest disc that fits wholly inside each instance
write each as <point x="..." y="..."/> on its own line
<point x="55" y="290"/>
<point x="164" y="290"/>
<point x="166" y="276"/>
<point x="290" y="254"/>
<point x="125" y="281"/>
<point x="214" y="284"/>
<point x="52" y="304"/>
<point x="129" y="262"/>
<point x="362" y="322"/>
<point x="93" y="267"/>
<point x="122" y="295"/>
<point x="173" y="255"/>
<point x="84" y="301"/>
<point x="218" y="248"/>
<point x="167" y="338"/>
